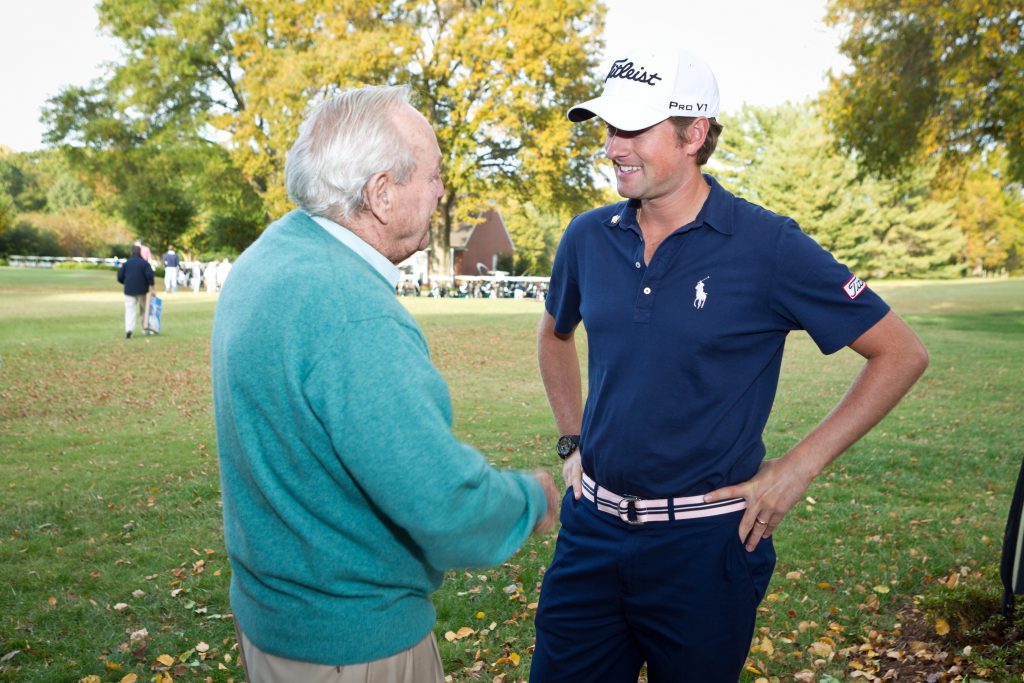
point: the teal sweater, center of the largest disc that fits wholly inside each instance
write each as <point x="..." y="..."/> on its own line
<point x="346" y="496"/>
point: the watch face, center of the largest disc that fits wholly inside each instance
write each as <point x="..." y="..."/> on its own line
<point x="566" y="445"/>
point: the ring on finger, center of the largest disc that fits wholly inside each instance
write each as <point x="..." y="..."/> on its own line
<point x="761" y="521"/>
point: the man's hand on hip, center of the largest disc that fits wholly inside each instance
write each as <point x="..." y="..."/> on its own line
<point x="547" y="523"/>
<point x="572" y="473"/>
<point x="770" y="494"/>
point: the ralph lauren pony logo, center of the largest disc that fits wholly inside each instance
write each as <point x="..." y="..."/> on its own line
<point x="624" y="68"/>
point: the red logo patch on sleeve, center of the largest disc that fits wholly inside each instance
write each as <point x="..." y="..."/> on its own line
<point x="854" y="287"/>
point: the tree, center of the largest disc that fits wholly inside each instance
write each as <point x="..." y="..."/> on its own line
<point x="144" y="129"/>
<point x="929" y="78"/>
<point x="913" y="229"/>
<point x="494" y="77"/>
<point x="19" y="178"/>
<point x="24" y="239"/>
<point x="68" y="192"/>
<point x="535" y="233"/>
<point x="785" y="159"/>
<point x="8" y="211"/>
<point x="991" y="216"/>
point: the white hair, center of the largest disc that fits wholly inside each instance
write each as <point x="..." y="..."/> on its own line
<point x="342" y="143"/>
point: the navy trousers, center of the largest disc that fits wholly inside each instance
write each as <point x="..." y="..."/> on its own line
<point x="679" y="596"/>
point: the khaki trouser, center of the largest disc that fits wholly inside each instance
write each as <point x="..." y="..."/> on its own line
<point x="421" y="663"/>
<point x="134" y="309"/>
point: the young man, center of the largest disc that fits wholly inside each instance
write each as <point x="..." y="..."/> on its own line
<point x="171" y="263"/>
<point x="687" y="294"/>
<point x="346" y="495"/>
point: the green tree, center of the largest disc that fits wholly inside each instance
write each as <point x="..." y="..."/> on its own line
<point x="785" y="159"/>
<point x="914" y="230"/>
<point x="68" y="192"/>
<point x="929" y="78"/>
<point x="143" y="129"/>
<point x="19" y="178"/>
<point x="8" y="211"/>
<point x="24" y="239"/>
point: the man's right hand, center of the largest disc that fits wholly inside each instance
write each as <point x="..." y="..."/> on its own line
<point x="572" y="473"/>
<point x="554" y="497"/>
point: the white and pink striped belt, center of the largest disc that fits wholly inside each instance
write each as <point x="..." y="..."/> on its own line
<point x="634" y="510"/>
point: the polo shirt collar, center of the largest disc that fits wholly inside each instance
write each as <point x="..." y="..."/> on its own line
<point x="716" y="212"/>
<point x="378" y="261"/>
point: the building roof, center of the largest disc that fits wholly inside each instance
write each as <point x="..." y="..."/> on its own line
<point x="461" y="235"/>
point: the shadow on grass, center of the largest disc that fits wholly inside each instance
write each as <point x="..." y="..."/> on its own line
<point x="991" y="322"/>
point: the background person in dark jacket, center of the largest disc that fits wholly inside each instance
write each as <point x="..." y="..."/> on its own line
<point x="137" y="277"/>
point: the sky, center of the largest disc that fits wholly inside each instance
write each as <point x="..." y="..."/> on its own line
<point x="763" y="52"/>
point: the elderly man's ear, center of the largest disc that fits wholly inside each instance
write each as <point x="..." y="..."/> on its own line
<point x="380" y="197"/>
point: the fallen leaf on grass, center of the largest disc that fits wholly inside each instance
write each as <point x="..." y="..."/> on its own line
<point x="166" y="660"/>
<point x="463" y="632"/>
<point x="512" y="659"/>
<point x="941" y="626"/>
<point x="90" y="679"/>
<point x="823" y="647"/>
<point x="880" y="589"/>
<point x="130" y="678"/>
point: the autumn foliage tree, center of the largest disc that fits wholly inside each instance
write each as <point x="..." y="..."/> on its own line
<point x="929" y="78"/>
<point x="493" y="76"/>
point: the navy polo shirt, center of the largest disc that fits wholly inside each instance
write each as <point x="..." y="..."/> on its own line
<point x="685" y="352"/>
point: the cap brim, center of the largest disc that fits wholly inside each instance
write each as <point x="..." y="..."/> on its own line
<point x="617" y="113"/>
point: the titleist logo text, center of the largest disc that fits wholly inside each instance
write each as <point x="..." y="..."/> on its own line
<point x="623" y="68"/>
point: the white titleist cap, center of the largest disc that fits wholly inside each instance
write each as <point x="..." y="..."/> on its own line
<point x="646" y="85"/>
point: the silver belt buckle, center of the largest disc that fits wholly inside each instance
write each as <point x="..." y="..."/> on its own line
<point x="623" y="508"/>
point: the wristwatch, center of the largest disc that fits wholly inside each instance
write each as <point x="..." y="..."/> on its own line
<point x="567" y="445"/>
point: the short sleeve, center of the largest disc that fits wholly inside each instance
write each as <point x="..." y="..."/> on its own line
<point x="563" y="297"/>
<point x="813" y="291"/>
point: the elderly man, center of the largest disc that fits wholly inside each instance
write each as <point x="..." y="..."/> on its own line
<point x="687" y="294"/>
<point x="138" y="279"/>
<point x="346" y="495"/>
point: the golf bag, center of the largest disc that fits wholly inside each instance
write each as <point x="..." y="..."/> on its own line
<point x="1012" y="567"/>
<point x="153" y="313"/>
